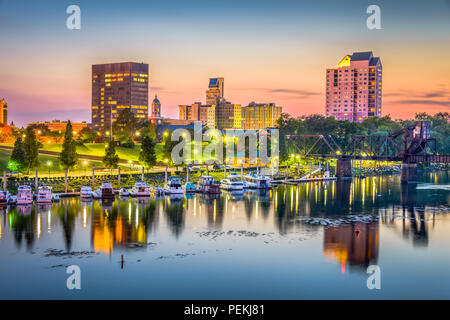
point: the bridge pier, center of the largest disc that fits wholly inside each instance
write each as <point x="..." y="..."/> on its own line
<point x="409" y="172"/>
<point x="344" y="168"/>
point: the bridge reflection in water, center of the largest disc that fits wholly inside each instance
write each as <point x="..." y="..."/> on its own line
<point x="125" y="224"/>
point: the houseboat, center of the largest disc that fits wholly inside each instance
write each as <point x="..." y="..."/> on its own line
<point x="24" y="195"/>
<point x="140" y="189"/>
<point x="123" y="192"/>
<point x="232" y="183"/>
<point x="44" y="195"/>
<point x="173" y="186"/>
<point x="260" y="182"/>
<point x="86" y="192"/>
<point x="106" y="191"/>
<point x="207" y="184"/>
<point x="3" y="198"/>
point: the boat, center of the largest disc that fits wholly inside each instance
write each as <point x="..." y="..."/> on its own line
<point x="189" y="187"/>
<point x="104" y="192"/>
<point x="24" y="195"/>
<point x="3" y="198"/>
<point x="207" y="184"/>
<point x="11" y="199"/>
<point x="124" y="192"/>
<point x="249" y="184"/>
<point x="44" y="194"/>
<point x="55" y="197"/>
<point x="232" y="183"/>
<point x="156" y="191"/>
<point x="260" y="182"/>
<point x="173" y="187"/>
<point x="86" y="192"/>
<point x="140" y="189"/>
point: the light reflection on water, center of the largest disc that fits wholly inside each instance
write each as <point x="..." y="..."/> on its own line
<point x="250" y="245"/>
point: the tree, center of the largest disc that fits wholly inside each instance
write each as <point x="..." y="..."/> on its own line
<point x="167" y="146"/>
<point x="31" y="147"/>
<point x="111" y="159"/>
<point x="125" y="125"/>
<point x="88" y="135"/>
<point x="18" y="159"/>
<point x="147" y="154"/>
<point x="68" y="157"/>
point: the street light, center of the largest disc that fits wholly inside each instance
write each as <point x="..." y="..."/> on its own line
<point x="84" y="165"/>
<point x="49" y="164"/>
<point x="130" y="163"/>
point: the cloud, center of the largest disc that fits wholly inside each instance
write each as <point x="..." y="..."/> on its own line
<point x="441" y="103"/>
<point x="294" y="91"/>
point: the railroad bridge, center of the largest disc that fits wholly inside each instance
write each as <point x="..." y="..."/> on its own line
<point x="410" y="145"/>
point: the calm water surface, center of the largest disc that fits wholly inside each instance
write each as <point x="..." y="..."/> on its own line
<point x="250" y="246"/>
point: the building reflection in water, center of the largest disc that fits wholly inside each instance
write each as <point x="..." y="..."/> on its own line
<point x="116" y="224"/>
<point x="355" y="245"/>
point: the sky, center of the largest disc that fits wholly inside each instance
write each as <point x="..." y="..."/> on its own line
<point x="267" y="51"/>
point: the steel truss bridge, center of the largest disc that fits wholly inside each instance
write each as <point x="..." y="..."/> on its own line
<point x="412" y="144"/>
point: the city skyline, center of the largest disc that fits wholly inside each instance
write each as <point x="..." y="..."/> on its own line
<point x="281" y="57"/>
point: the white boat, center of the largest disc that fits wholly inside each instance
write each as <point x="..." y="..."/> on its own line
<point x="249" y="184"/>
<point x="3" y="198"/>
<point x="24" y="195"/>
<point x="104" y="192"/>
<point x="86" y="192"/>
<point x="55" y="197"/>
<point x="173" y="186"/>
<point x="140" y="189"/>
<point x="232" y="183"/>
<point x="124" y="192"/>
<point x="44" y="195"/>
<point x="207" y="184"/>
<point x="259" y="181"/>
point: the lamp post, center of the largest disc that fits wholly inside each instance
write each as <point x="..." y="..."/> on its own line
<point x="130" y="163"/>
<point x="84" y="165"/>
<point x="49" y="164"/>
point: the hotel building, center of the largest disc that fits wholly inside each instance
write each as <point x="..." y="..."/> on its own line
<point x="354" y="88"/>
<point x="258" y="116"/>
<point x="117" y="86"/>
<point x="3" y="111"/>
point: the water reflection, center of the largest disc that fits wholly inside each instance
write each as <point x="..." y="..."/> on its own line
<point x="355" y="245"/>
<point x="117" y="223"/>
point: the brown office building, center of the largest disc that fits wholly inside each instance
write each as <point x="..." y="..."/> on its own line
<point x="117" y="86"/>
<point x="194" y="112"/>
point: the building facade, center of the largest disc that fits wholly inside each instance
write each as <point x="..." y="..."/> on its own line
<point x="226" y="116"/>
<point x="118" y="86"/>
<point x="215" y="91"/>
<point x="258" y="116"/>
<point x="60" y="126"/>
<point x="194" y="112"/>
<point x="3" y="111"/>
<point x="354" y="88"/>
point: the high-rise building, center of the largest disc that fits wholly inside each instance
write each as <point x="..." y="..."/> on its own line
<point x="195" y="112"/>
<point x="227" y="115"/>
<point x="354" y="88"/>
<point x="258" y="116"/>
<point x="3" y="111"/>
<point x="118" y="86"/>
<point x="215" y="91"/>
